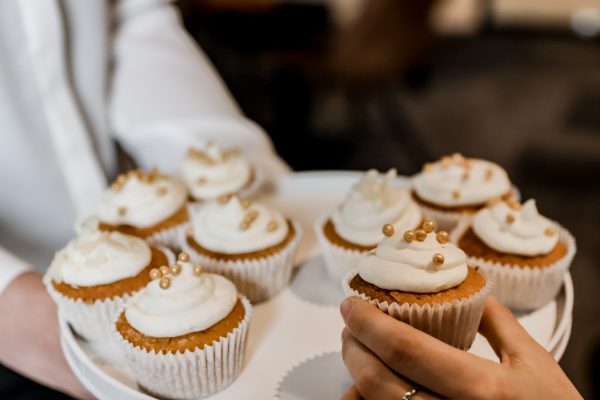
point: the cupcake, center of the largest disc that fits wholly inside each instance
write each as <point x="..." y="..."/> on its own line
<point x="248" y="242"/>
<point x="91" y="278"/>
<point x="184" y="335"/>
<point x="354" y="228"/>
<point x="455" y="187"/>
<point x="147" y="205"/>
<point x="526" y="253"/>
<point x="422" y="279"/>
<point x="211" y="172"/>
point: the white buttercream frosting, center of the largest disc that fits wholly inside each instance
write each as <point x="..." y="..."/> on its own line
<point x="521" y="231"/>
<point x="372" y="202"/>
<point x="457" y="181"/>
<point x="219" y="226"/>
<point x="408" y="266"/>
<point x="98" y="258"/>
<point x="140" y="201"/>
<point x="191" y="303"/>
<point x="210" y="172"/>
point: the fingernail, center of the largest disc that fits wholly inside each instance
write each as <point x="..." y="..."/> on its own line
<point x="345" y="308"/>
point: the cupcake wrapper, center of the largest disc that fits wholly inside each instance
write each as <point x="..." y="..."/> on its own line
<point x="454" y="323"/>
<point x="168" y="237"/>
<point x="91" y="321"/>
<point x="338" y="260"/>
<point x="192" y="374"/>
<point x="258" y="279"/>
<point x="525" y="288"/>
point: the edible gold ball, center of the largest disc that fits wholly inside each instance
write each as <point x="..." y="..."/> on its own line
<point x="510" y="218"/>
<point x="409" y="236"/>
<point x="442" y="237"/>
<point x="549" y="231"/>
<point x="455" y="194"/>
<point x="165" y="282"/>
<point x="185" y="257"/>
<point x="175" y="269"/>
<point x="198" y="269"/>
<point x="420" y="235"/>
<point x="388" y="230"/>
<point x="164" y="270"/>
<point x="438" y="259"/>
<point x="429" y="226"/>
<point x="155" y="273"/>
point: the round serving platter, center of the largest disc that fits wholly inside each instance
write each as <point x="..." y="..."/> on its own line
<point x="301" y="323"/>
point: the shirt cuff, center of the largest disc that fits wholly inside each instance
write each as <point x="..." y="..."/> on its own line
<point x="10" y="268"/>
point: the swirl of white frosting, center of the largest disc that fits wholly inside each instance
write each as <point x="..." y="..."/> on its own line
<point x="456" y="181"/>
<point x="211" y="172"/>
<point x="219" y="226"/>
<point x="142" y="204"/>
<point x="98" y="258"/>
<point x="529" y="233"/>
<point x="372" y="202"/>
<point x="190" y="304"/>
<point x="408" y="266"/>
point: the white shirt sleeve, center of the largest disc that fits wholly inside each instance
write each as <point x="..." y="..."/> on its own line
<point x="165" y="95"/>
<point x="11" y="267"/>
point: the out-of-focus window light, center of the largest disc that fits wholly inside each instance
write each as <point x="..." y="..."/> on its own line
<point x="585" y="21"/>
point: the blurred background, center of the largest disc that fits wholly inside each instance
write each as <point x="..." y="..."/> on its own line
<point x="355" y="84"/>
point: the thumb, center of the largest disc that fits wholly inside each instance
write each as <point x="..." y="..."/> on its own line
<point x="502" y="330"/>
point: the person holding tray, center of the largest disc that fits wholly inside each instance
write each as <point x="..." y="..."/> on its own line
<point x="76" y="78"/>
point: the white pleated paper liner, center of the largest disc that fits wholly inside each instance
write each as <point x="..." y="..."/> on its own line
<point x="338" y="260"/>
<point x="323" y="376"/>
<point x="91" y="321"/>
<point x="524" y="288"/>
<point x="192" y="374"/>
<point x="258" y="279"/>
<point x="454" y="323"/>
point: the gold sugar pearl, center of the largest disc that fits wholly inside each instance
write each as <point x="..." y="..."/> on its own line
<point x="165" y="282"/>
<point x="446" y="161"/>
<point x="122" y="211"/>
<point x="144" y="178"/>
<point x="428" y="167"/>
<point x="165" y="270"/>
<point x="161" y="191"/>
<point x="429" y="226"/>
<point x="488" y="174"/>
<point x="468" y="163"/>
<point x="198" y="269"/>
<point x="455" y="194"/>
<point x="492" y="202"/>
<point x="201" y="180"/>
<point x="224" y="199"/>
<point x="244" y="225"/>
<point x="442" y="237"/>
<point x="510" y="218"/>
<point x="155" y="273"/>
<point x="549" y="231"/>
<point x="409" y="236"/>
<point x="175" y="269"/>
<point x="190" y="231"/>
<point x="458" y="157"/>
<point x="271" y="226"/>
<point x="388" y="230"/>
<point x="466" y="175"/>
<point x="515" y="205"/>
<point x="438" y="259"/>
<point x="246" y="203"/>
<point x="185" y="257"/>
<point x="420" y="235"/>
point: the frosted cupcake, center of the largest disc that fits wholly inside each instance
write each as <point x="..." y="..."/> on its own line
<point x="184" y="335"/>
<point x="456" y="186"/>
<point x="526" y="253"/>
<point x="211" y="172"/>
<point x="94" y="274"/>
<point x="148" y="205"/>
<point x="354" y="227"/>
<point x="248" y="242"/>
<point x="422" y="279"/>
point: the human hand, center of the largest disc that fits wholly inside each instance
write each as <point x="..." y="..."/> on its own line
<point x="29" y="324"/>
<point x="386" y="358"/>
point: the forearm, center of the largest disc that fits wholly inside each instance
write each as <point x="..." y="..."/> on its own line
<point x="30" y="336"/>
